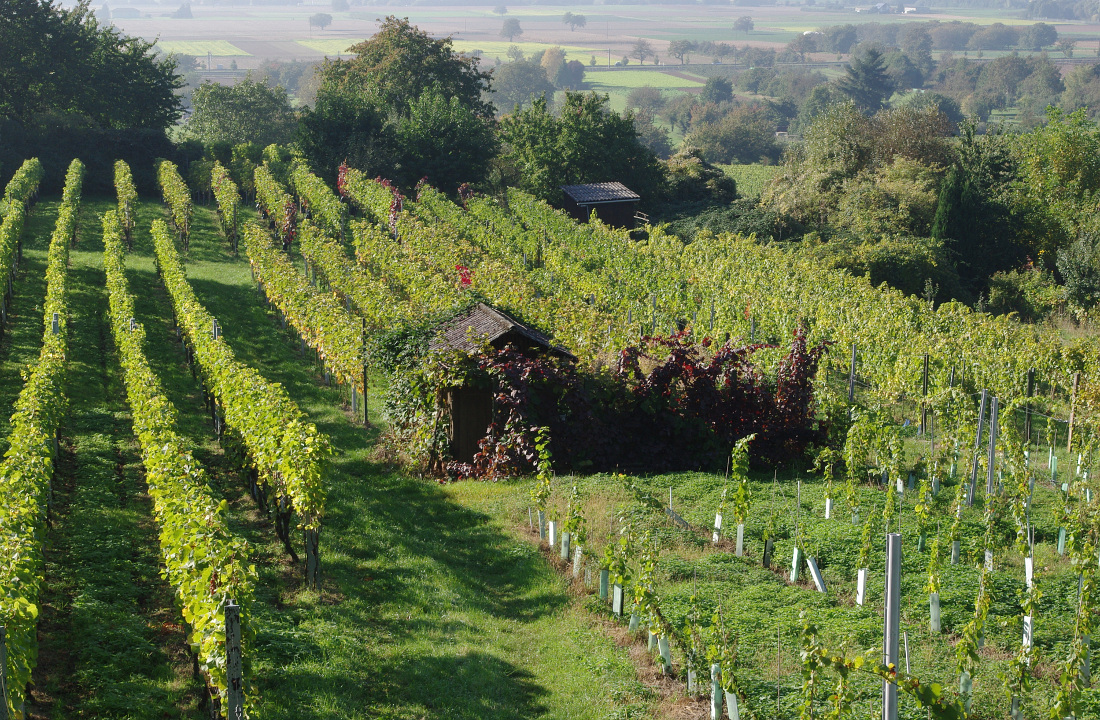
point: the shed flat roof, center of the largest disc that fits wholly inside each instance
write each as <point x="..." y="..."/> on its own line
<point x="593" y="193"/>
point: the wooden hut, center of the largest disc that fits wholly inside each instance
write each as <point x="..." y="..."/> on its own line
<point x="614" y="203"/>
<point x="471" y="409"/>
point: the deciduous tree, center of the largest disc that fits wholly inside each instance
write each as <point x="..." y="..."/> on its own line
<point x="518" y="83"/>
<point x="401" y="62"/>
<point x="588" y="142"/>
<point x="65" y="63"/>
<point x="681" y="49"/>
<point x="574" y="21"/>
<point x="511" y="29"/>
<point x="246" y="112"/>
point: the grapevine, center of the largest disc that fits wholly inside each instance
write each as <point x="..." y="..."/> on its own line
<point x="204" y="562"/>
<point x="178" y="199"/>
<point x="27" y="469"/>
<point x="317" y="316"/>
<point x="127" y="196"/>
<point x="286" y="449"/>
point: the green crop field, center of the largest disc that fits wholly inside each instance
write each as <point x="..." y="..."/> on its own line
<point x="331" y="47"/>
<point x="750" y="179"/>
<point x="618" y="79"/>
<point x="198" y="48"/>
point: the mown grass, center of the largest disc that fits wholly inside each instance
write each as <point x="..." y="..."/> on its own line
<point x="428" y="608"/>
<point x="21" y="334"/>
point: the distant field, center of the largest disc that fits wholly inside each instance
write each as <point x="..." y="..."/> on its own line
<point x="617" y="79"/>
<point x="750" y="179"/>
<point x="331" y="47"/>
<point x="221" y="48"/>
<point x="499" y="48"/>
<point x="263" y="32"/>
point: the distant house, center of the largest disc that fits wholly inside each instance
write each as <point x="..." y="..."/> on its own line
<point x="471" y="408"/>
<point x="614" y="203"/>
<point x="880" y="9"/>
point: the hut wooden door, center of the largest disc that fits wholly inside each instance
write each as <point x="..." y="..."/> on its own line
<point x="471" y="415"/>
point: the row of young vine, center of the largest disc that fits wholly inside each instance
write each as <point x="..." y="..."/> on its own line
<point x="318" y="317"/>
<point x="723" y="284"/>
<point x="178" y="198"/>
<point x="229" y="203"/>
<point x="434" y="267"/>
<point x="276" y="205"/>
<point x="23" y="186"/>
<point x="285" y="449"/>
<point x="204" y="562"/>
<point x="127" y="195"/>
<point x="27" y="470"/>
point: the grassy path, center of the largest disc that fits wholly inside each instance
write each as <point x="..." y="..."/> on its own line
<point x="110" y="645"/>
<point x="22" y="334"/>
<point x="428" y="607"/>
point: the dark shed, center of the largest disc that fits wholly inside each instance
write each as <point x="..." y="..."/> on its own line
<point x="471" y="409"/>
<point x="614" y="203"/>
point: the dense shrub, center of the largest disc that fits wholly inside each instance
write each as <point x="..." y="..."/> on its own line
<point x="670" y="404"/>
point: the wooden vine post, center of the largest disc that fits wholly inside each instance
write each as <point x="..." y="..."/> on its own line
<point x="234" y="706"/>
<point x="3" y="674"/>
<point x="366" y="416"/>
<point x="1027" y="407"/>
<point x="852" y="377"/>
<point x="891" y="623"/>
<point x="1073" y="410"/>
<point x="977" y="450"/>
<point x="991" y="460"/>
<point x="313" y="557"/>
<point x="924" y="398"/>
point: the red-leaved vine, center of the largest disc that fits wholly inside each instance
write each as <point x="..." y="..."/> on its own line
<point x="684" y="413"/>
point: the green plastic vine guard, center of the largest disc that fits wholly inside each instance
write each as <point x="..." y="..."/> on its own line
<point x="666" y="654"/>
<point x="3" y="674"/>
<point x="733" y="712"/>
<point x="715" y="692"/>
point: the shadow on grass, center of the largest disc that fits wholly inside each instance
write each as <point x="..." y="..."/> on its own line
<point x="474" y="686"/>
